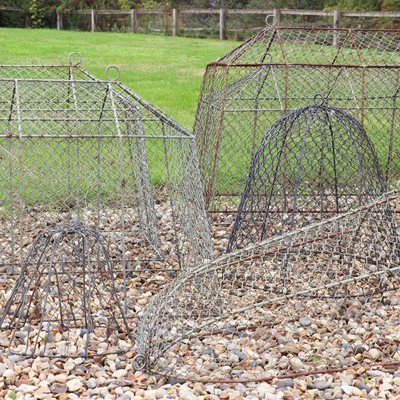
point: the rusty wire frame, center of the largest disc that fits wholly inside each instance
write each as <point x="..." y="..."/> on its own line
<point x="282" y="69"/>
<point x="77" y="149"/>
<point x="66" y="300"/>
<point x="318" y="299"/>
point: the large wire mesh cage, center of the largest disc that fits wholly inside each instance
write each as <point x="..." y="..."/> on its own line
<point x="318" y="299"/>
<point x="65" y="302"/>
<point x="282" y="69"/>
<point x="315" y="162"/>
<point x="74" y="148"/>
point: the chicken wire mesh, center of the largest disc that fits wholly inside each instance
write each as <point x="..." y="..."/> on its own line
<point x="318" y="299"/>
<point x="315" y="162"/>
<point x="74" y="148"/>
<point x="281" y="69"/>
<point x="65" y="302"/>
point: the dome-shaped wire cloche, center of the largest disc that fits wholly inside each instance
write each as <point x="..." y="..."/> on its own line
<point x="315" y="162"/>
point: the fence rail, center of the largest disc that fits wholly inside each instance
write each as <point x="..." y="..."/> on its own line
<point x="333" y="18"/>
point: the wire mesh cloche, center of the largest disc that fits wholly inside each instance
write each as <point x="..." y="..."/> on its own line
<point x="65" y="302"/>
<point x="281" y="69"/>
<point x="321" y="298"/>
<point x="315" y="162"/>
<point x="74" y="148"/>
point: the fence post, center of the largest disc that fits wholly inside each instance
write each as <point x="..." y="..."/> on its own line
<point x="336" y="19"/>
<point x="134" y="20"/>
<point x="222" y="23"/>
<point x="93" y="20"/>
<point x="28" y="21"/>
<point x="277" y="16"/>
<point x="175" y="22"/>
<point x="59" y="21"/>
<point x="336" y="25"/>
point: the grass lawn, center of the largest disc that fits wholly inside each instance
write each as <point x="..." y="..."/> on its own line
<point x="166" y="71"/>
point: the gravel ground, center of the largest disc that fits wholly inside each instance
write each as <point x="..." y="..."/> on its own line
<point x="113" y="377"/>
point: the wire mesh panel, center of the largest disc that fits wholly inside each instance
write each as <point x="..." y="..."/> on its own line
<point x="281" y="69"/>
<point x="77" y="149"/>
<point x="149" y="21"/>
<point x="202" y="24"/>
<point x="69" y="72"/>
<point x="315" y="162"/>
<point x="65" y="303"/>
<point x="321" y="298"/>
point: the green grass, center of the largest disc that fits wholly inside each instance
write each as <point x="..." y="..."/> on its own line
<point x="166" y="71"/>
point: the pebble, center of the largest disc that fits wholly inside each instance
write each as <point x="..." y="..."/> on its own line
<point x="374" y="354"/>
<point x="186" y="394"/>
<point x="385" y="386"/>
<point x="16" y="357"/>
<point x="284" y="383"/>
<point x="3" y="367"/>
<point x="69" y="365"/>
<point x="240" y="354"/>
<point x="305" y="321"/>
<point x="362" y="386"/>
<point x="61" y="378"/>
<point x="263" y="388"/>
<point x="198" y="388"/>
<point x="119" y="373"/>
<point x="347" y="389"/>
<point x="91" y="383"/>
<point x="74" y="385"/>
<point x="58" y="388"/>
<point x="9" y="376"/>
<point x="296" y="363"/>
<point x="27" y="388"/>
<point x="161" y="393"/>
<point x="322" y="384"/>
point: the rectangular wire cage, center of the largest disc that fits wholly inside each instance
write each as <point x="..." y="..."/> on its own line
<point x="281" y="69"/>
<point x="76" y="149"/>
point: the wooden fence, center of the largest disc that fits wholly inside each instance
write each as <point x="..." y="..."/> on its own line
<point x="335" y="17"/>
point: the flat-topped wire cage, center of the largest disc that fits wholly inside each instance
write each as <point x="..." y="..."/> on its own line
<point x="281" y="69"/>
<point x="322" y="298"/>
<point x="77" y="149"/>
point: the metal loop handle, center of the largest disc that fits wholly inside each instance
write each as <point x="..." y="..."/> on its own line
<point x="72" y="56"/>
<point x="110" y="68"/>
<point x="319" y="99"/>
<point x="270" y="20"/>
<point x="139" y="362"/>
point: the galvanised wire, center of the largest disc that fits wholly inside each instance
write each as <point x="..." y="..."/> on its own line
<point x="315" y="162"/>
<point x="65" y="302"/>
<point x="76" y="148"/>
<point x="318" y="299"/>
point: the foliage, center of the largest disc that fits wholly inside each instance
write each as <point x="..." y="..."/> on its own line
<point x="389" y="5"/>
<point x="41" y="8"/>
<point x="353" y="5"/>
<point x="38" y="11"/>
